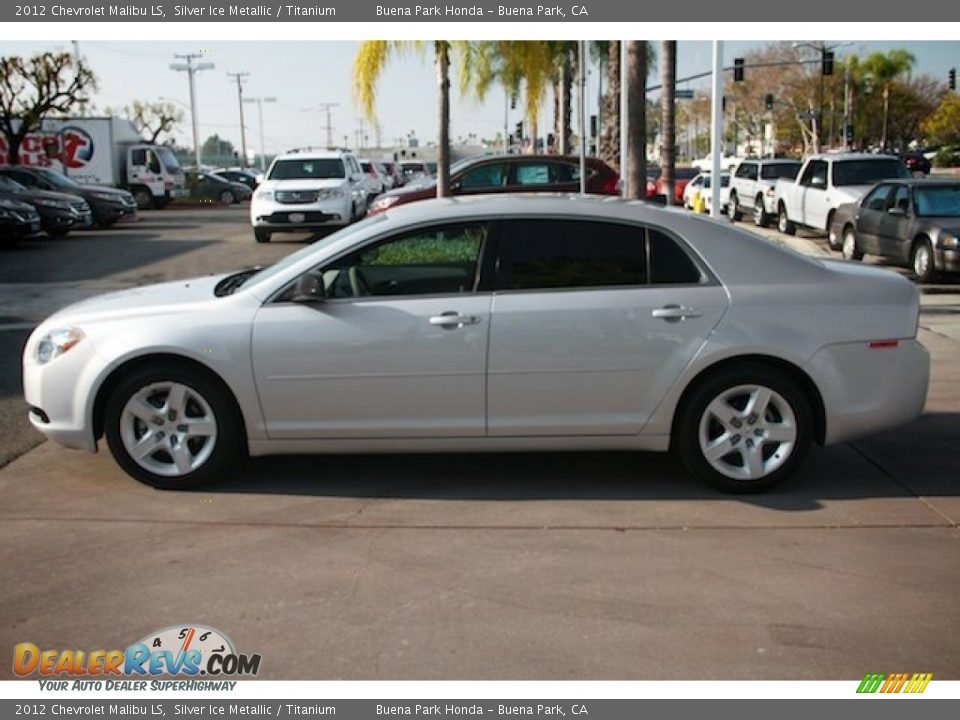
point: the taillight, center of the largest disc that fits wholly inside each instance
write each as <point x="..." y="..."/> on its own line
<point x="611" y="186"/>
<point x="876" y="344"/>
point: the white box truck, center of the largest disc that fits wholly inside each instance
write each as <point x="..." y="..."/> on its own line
<point x="105" y="151"/>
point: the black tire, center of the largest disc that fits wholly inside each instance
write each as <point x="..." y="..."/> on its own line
<point x="784" y="224"/>
<point x="760" y="217"/>
<point x="922" y="261"/>
<point x="261" y="236"/>
<point x="143" y="197"/>
<point x="228" y="445"/>
<point x="227" y="198"/>
<point x="58" y="232"/>
<point x="686" y="440"/>
<point x="833" y="243"/>
<point x="851" y="249"/>
<point x="733" y="208"/>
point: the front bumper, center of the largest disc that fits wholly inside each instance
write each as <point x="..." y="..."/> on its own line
<point x="279" y="217"/>
<point x="111" y="212"/>
<point x="866" y="390"/>
<point x="948" y="260"/>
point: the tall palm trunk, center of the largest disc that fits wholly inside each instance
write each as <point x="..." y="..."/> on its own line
<point x="610" y="134"/>
<point x="886" y="115"/>
<point x="668" y="131"/>
<point x="442" y="56"/>
<point x="636" y="108"/>
<point x="566" y="106"/>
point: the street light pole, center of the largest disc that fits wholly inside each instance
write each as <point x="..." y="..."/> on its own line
<point x="191" y="71"/>
<point x="583" y="119"/>
<point x="716" y="129"/>
<point x="243" y="135"/>
<point x="260" y="102"/>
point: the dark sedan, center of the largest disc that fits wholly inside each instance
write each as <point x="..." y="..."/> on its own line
<point x="17" y="220"/>
<point x="109" y="205"/>
<point x="239" y="175"/>
<point x="508" y="174"/>
<point x="59" y="213"/>
<point x="213" y="187"/>
<point x="916" y="163"/>
<point x="911" y="222"/>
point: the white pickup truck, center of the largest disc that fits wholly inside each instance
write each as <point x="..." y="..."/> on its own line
<point x="825" y="182"/>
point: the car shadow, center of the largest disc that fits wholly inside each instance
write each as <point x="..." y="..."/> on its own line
<point x="920" y="459"/>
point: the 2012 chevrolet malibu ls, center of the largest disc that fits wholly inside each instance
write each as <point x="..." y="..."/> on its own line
<point x="506" y="323"/>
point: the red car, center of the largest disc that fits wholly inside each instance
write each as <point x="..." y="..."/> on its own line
<point x="681" y="176"/>
<point x="508" y="174"/>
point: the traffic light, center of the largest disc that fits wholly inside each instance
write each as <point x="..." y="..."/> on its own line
<point x="519" y="132"/>
<point x="738" y="69"/>
<point x="768" y="101"/>
<point x="593" y="126"/>
<point x="513" y="101"/>
<point x="953" y="78"/>
<point x="550" y="140"/>
<point x="827" y="68"/>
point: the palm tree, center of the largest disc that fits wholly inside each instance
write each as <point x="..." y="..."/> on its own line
<point x="636" y="171"/>
<point x="668" y="133"/>
<point x="883" y="69"/>
<point x="369" y="63"/>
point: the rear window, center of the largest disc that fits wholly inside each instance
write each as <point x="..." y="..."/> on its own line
<point x="669" y="263"/>
<point x="316" y="169"/>
<point x="867" y="172"/>
<point x="788" y="171"/>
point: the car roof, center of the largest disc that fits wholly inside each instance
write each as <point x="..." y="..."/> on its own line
<point x="851" y="156"/>
<point x="312" y="155"/>
<point x="915" y="182"/>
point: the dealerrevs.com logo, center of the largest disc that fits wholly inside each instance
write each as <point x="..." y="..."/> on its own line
<point x="182" y="650"/>
<point x="894" y="683"/>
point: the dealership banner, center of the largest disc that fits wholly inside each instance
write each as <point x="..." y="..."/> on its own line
<point x="471" y="11"/>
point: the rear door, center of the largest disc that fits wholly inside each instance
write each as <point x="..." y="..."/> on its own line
<point x="591" y="324"/>
<point x="872" y="210"/>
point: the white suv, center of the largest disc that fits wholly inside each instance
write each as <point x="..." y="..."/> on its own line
<point x="753" y="189"/>
<point x="307" y="190"/>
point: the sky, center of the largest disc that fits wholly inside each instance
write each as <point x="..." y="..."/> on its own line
<point x="301" y="75"/>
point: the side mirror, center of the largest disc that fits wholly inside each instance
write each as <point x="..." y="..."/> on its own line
<point x="897" y="211"/>
<point x="455" y="186"/>
<point x="309" y="289"/>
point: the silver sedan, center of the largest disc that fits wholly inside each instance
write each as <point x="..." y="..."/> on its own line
<point x="505" y="323"/>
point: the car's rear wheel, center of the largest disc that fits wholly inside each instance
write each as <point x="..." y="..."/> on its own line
<point x="733" y="208"/>
<point x="744" y="429"/>
<point x="261" y="236"/>
<point x="760" y="218"/>
<point x="921" y="260"/>
<point x="172" y="427"/>
<point x="227" y="197"/>
<point x="784" y="224"/>
<point x="851" y="251"/>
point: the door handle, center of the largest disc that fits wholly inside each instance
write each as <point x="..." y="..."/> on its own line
<point x="450" y="320"/>
<point x="675" y="313"/>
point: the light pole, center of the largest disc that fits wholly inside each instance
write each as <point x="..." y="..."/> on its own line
<point x="260" y="102"/>
<point x="191" y="71"/>
<point x="243" y="134"/>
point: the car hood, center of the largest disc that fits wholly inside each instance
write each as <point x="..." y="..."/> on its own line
<point x="853" y="192"/>
<point x="33" y="194"/>
<point x="10" y="202"/>
<point x="413" y="190"/>
<point x="305" y="184"/>
<point x="102" y="189"/>
<point x="179" y="296"/>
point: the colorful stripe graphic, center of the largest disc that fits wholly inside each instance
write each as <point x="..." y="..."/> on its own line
<point x="894" y="682"/>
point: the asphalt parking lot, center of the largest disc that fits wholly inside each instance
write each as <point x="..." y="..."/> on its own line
<point x="527" y="566"/>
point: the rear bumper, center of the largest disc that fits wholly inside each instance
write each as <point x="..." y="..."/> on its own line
<point x="866" y="390"/>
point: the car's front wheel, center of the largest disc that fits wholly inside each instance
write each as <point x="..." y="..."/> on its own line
<point x="744" y="429"/>
<point x="733" y="208"/>
<point x="784" y="224"/>
<point x="172" y="427"/>
<point x="760" y="218"/>
<point x="851" y="251"/>
<point x="921" y="260"/>
<point x="261" y="236"/>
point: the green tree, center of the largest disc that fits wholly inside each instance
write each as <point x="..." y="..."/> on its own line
<point x="215" y="147"/>
<point x="32" y="88"/>
<point x="882" y="69"/>
<point x="942" y="126"/>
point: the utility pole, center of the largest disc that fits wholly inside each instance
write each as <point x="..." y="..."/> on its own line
<point x="326" y="108"/>
<point x="582" y="123"/>
<point x="716" y="128"/>
<point x="260" y="102"/>
<point x="243" y="134"/>
<point x="191" y="71"/>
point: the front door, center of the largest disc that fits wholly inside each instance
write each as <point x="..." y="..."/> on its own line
<point x="397" y="349"/>
<point x="586" y="338"/>
<point x="870" y="215"/>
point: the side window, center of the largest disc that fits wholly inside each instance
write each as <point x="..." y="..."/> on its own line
<point x="153" y="162"/>
<point x="900" y="198"/>
<point x="744" y="171"/>
<point x="752" y="173"/>
<point x="544" y="254"/>
<point x="488" y="175"/>
<point x="138" y="156"/>
<point x="424" y="262"/>
<point x="534" y="174"/>
<point x="815" y="175"/>
<point x="24" y="178"/>
<point x="669" y="263"/>
<point x="876" y="199"/>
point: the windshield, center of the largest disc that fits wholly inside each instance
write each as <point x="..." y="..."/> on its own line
<point x="294" y="258"/>
<point x="8" y="184"/>
<point x="306" y="169"/>
<point x="867" y="172"/>
<point x="780" y="170"/>
<point x="168" y="159"/>
<point x="938" y="201"/>
<point x="57" y="180"/>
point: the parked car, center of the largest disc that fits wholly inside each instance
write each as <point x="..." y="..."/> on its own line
<point x="308" y="190"/>
<point x="753" y="188"/>
<point x="59" y="213"/>
<point x="439" y="327"/>
<point x="824" y="183"/>
<point x="240" y="175"/>
<point x="394" y="171"/>
<point x="18" y="220"/>
<point x="375" y="182"/>
<point x="911" y="222"/>
<point x="414" y="171"/>
<point x="917" y="163"/>
<point x="213" y="187"/>
<point x="681" y="176"/>
<point x="701" y="185"/>
<point x="509" y="174"/>
<point x="108" y="205"/>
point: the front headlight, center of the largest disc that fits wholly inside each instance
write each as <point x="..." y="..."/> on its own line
<point x="264" y="195"/>
<point x="58" y="204"/>
<point x="57" y="342"/>
<point x="384" y="203"/>
<point x="329" y="194"/>
<point x="949" y="241"/>
<point x="106" y="196"/>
